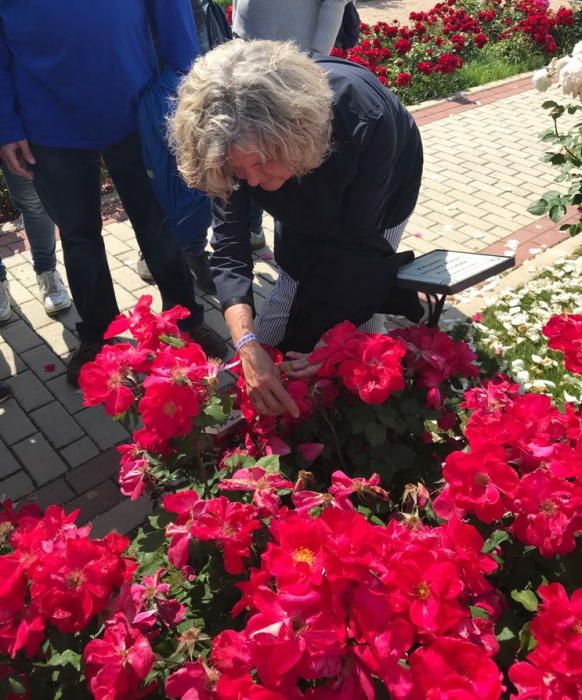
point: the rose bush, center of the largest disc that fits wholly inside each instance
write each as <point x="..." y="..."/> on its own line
<point x="421" y="60"/>
<point x="256" y="579"/>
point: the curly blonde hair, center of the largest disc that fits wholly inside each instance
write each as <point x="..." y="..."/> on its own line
<point x="261" y="96"/>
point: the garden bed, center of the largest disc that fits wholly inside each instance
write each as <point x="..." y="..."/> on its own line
<point x="414" y="534"/>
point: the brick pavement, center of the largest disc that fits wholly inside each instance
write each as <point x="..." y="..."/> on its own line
<point x="482" y="169"/>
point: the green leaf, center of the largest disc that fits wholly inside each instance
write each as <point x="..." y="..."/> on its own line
<point x="557" y="212"/>
<point x="477" y="612"/>
<point x="172" y="340"/>
<point x="527" y="598"/>
<point x="16" y="686"/>
<point x="375" y="434"/>
<point x="67" y="657"/>
<point x="494" y="540"/>
<point x="538" y="208"/>
<point x="526" y="639"/>
<point x="548" y="104"/>
<point x="215" y="411"/>
<point x="270" y="464"/>
<point x="558" y="159"/>
<point x="505" y="635"/>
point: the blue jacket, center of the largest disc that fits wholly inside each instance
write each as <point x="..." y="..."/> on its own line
<point x="72" y="71"/>
<point x="187" y="210"/>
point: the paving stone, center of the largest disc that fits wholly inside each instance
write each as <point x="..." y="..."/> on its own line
<point x="57" y="424"/>
<point x="10" y="362"/>
<point x="34" y="314"/>
<point x="42" y="358"/>
<point x="56" y="493"/>
<point x="80" y="452"/>
<point x="14" y="425"/>
<point x="115" y="246"/>
<point x="16" y="486"/>
<point x="123" y="517"/>
<point x="97" y="500"/>
<point x="70" y="318"/>
<point x="29" y="391"/>
<point x="8" y="463"/>
<point x="101" y="428"/>
<point x="71" y="398"/>
<point x="20" y="336"/>
<point x="39" y="459"/>
<point x="95" y="471"/>
<point x="59" y="339"/>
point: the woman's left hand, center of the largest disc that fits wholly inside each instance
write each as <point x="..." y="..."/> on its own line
<point x="300" y="367"/>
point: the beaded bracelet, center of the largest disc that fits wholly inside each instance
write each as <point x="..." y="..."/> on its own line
<point x="249" y="337"/>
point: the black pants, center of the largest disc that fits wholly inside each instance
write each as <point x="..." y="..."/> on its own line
<point x="68" y="184"/>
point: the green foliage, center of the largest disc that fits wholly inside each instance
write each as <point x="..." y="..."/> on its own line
<point x="566" y="155"/>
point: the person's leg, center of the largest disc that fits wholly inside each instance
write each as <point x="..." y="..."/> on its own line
<point x="38" y="225"/>
<point x="393" y="236"/>
<point x="162" y="254"/>
<point x="272" y="321"/>
<point x="165" y="260"/>
<point x="40" y="231"/>
<point x="5" y="301"/>
<point x="67" y="181"/>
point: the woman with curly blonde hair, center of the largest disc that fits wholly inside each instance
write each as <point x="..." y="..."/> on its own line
<point x="321" y="145"/>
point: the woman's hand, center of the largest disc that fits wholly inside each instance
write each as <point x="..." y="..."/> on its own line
<point x="300" y="367"/>
<point x="264" y="386"/>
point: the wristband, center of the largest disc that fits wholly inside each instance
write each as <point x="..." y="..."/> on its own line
<point x="248" y="338"/>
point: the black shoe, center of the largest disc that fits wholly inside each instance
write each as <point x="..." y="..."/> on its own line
<point x="5" y="392"/>
<point x="200" y="268"/>
<point x="209" y="340"/>
<point x="86" y="352"/>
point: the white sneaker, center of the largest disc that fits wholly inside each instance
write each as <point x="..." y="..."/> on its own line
<point x="5" y="309"/>
<point x="54" y="293"/>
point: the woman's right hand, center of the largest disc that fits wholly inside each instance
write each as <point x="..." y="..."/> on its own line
<point x="264" y="385"/>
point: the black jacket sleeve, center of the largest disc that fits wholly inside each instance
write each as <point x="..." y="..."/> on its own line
<point x="231" y="261"/>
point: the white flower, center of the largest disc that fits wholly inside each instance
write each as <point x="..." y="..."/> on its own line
<point x="577" y="50"/>
<point x="541" y="80"/>
<point x="556" y="64"/>
<point x="571" y="76"/>
<point x="522" y="376"/>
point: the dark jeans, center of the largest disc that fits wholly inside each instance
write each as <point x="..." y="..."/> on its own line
<point x="38" y="226"/>
<point x="68" y="183"/>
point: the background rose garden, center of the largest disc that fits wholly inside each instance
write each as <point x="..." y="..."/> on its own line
<point x="278" y="565"/>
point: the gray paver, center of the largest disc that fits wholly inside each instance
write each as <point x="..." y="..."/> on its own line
<point x="79" y="452"/>
<point x="57" y="424"/>
<point x="29" y="391"/>
<point x="10" y="362"/>
<point x="123" y="517"/>
<point x="56" y="493"/>
<point x="16" y="486"/>
<point x="71" y="398"/>
<point x="8" y="464"/>
<point x="34" y="314"/>
<point x="97" y="500"/>
<point x="101" y="428"/>
<point x="14" y="425"/>
<point x="93" y="472"/>
<point x="39" y="459"/>
<point x="43" y="362"/>
<point x="20" y="336"/>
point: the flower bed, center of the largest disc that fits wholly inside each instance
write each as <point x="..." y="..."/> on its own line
<point x="425" y="58"/>
<point x="508" y="334"/>
<point x="278" y="567"/>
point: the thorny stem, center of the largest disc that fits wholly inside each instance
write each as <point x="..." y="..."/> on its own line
<point x="576" y="160"/>
<point x="334" y="435"/>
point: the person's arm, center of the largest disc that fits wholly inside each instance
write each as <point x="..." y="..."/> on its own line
<point x="176" y="33"/>
<point x="14" y="148"/>
<point x="329" y="21"/>
<point x="232" y="268"/>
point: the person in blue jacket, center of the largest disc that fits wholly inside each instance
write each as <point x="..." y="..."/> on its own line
<point x="71" y="74"/>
